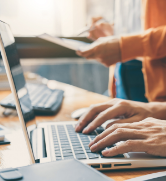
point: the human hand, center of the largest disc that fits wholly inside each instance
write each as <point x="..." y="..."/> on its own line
<point x="100" y="29"/>
<point x="105" y="50"/>
<point x="132" y="111"/>
<point x="147" y="136"/>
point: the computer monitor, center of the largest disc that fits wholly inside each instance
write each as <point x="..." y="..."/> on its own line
<point x="17" y="82"/>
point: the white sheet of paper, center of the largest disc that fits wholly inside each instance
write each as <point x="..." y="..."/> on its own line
<point x="68" y="43"/>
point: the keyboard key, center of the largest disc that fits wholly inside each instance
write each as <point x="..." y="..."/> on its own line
<point x="86" y="147"/>
<point x="92" y="155"/>
<point x="36" y="93"/>
<point x="77" y="146"/>
<point x="42" y="102"/>
<point x="92" y="137"/>
<point x="65" y="143"/>
<point x="79" y="152"/>
<point x="73" y="138"/>
<point x="119" y="156"/>
<point x="85" y="139"/>
<point x="67" y="151"/>
<point x="55" y="141"/>
<point x="88" y="151"/>
<point x="51" y="100"/>
<point x="56" y="149"/>
<point x="100" y="130"/>
<point x="92" y="133"/>
<point x="38" y="98"/>
<point x="58" y="158"/>
<point x="69" y="157"/>
<point x="85" y="143"/>
<point x="62" y="135"/>
<point x="56" y="145"/>
<point x="54" y="137"/>
<point x="66" y="148"/>
<point x="58" y="154"/>
<point x="67" y="154"/>
<point x="63" y="139"/>
<point x="77" y="149"/>
<point x="75" y="141"/>
<point x="81" y="156"/>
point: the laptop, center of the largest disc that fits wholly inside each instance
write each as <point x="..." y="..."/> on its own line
<point x="55" y="141"/>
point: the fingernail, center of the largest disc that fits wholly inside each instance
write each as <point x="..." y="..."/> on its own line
<point x="105" y="152"/>
<point x="91" y="143"/>
<point x="93" y="147"/>
<point x="86" y="130"/>
<point x="77" y="128"/>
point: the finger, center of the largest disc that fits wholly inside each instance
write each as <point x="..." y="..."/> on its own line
<point x="127" y="146"/>
<point x="86" y="53"/>
<point x="112" y="112"/>
<point x="90" y="115"/>
<point x="95" y="19"/>
<point x="121" y="134"/>
<point x="91" y="36"/>
<point x="78" y="52"/>
<point x="113" y="128"/>
<point x="94" y="34"/>
<point x="132" y="119"/>
<point x="87" y="56"/>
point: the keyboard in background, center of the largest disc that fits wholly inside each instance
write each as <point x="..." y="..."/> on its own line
<point x="44" y="100"/>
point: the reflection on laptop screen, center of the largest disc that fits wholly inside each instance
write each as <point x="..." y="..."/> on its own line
<point x="17" y="74"/>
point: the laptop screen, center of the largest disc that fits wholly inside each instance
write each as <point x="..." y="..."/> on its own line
<point x="17" y="74"/>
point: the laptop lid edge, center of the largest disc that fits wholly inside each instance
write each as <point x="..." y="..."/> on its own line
<point x="11" y="82"/>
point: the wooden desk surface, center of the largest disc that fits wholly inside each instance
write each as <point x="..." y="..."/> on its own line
<point x="16" y="154"/>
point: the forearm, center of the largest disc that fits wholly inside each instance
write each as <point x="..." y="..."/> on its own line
<point x="151" y="43"/>
<point x="158" y="110"/>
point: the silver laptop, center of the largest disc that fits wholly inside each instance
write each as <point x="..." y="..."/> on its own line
<point x="55" y="141"/>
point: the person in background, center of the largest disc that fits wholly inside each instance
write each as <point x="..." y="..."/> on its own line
<point x="127" y="20"/>
<point x="144" y="127"/>
<point x="109" y="50"/>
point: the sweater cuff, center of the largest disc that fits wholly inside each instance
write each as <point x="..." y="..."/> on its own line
<point x="131" y="47"/>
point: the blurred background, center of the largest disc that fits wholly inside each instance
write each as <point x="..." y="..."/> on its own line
<point x="28" y="18"/>
<point x="56" y="17"/>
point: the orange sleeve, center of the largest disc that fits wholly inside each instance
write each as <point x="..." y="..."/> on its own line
<point x="151" y="43"/>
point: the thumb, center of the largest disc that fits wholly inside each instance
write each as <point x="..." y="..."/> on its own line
<point x="95" y="19"/>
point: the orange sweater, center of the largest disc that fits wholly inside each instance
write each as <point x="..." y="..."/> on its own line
<point x="151" y="45"/>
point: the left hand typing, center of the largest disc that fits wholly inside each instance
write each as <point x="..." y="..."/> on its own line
<point x="147" y="136"/>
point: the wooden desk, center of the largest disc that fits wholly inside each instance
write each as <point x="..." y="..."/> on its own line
<point x="16" y="153"/>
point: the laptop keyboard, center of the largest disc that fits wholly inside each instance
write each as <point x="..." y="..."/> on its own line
<point x="68" y="144"/>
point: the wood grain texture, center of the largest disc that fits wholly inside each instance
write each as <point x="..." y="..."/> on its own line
<point x="16" y="154"/>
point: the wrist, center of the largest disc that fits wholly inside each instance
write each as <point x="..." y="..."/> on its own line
<point x="117" y="49"/>
<point x="158" y="110"/>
